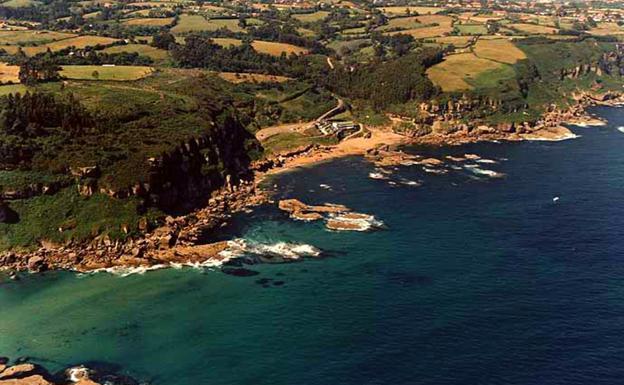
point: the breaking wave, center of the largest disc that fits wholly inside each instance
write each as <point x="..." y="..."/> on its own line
<point x="124" y="271"/>
<point x="290" y="251"/>
<point x="434" y="170"/>
<point x="408" y="182"/>
<point x="77" y="373"/>
<point x="480" y="171"/>
<point x="354" y="222"/>
<point x="377" y="175"/>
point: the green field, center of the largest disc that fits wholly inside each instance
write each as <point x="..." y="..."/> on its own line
<point x="141" y="49"/>
<point x="291" y="140"/>
<point x="402" y="23"/>
<point x="12" y="89"/>
<point x="28" y="37"/>
<point x="465" y="71"/>
<point x="311" y="17"/>
<point x="533" y="28"/>
<point x="120" y="73"/>
<point x="471" y="29"/>
<point x="398" y="10"/>
<point x="500" y="50"/>
<point x="20" y="3"/>
<point x="149" y="22"/>
<point x="268" y="47"/>
<point x="76" y="42"/>
<point x="195" y="23"/>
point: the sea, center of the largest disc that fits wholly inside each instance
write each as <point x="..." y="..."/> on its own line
<point x="507" y="269"/>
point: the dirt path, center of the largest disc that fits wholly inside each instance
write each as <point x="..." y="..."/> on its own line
<point x="334" y="111"/>
<point x="330" y="63"/>
<point x="268" y="132"/>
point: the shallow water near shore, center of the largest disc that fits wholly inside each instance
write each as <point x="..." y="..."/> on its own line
<point x="476" y="279"/>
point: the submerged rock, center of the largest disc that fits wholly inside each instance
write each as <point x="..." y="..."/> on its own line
<point x="239" y="271"/>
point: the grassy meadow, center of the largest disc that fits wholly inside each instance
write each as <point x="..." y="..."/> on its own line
<point x="268" y="47"/>
<point x="9" y="73"/>
<point x="141" y="49"/>
<point x="499" y="50"/>
<point x="460" y="72"/>
<point x="76" y="42"/>
<point x="195" y="23"/>
<point x="149" y="22"/>
<point x="94" y="72"/>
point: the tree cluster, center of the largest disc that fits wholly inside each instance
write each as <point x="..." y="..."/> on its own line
<point x="203" y="52"/>
<point x="27" y="120"/>
<point x="38" y="69"/>
<point x="386" y="83"/>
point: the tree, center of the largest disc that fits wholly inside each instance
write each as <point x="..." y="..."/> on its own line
<point x="38" y="69"/>
<point x="163" y="40"/>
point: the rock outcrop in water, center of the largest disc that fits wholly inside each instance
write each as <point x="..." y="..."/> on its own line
<point x="25" y="373"/>
<point x="337" y="217"/>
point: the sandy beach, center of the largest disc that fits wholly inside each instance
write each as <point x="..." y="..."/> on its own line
<point x="348" y="147"/>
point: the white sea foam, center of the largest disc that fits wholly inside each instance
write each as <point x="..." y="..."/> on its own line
<point x="558" y="139"/>
<point x="435" y="170"/>
<point x="621" y="129"/>
<point x="325" y="186"/>
<point x="240" y="247"/>
<point x="358" y="222"/>
<point x="377" y="175"/>
<point x="488" y="161"/>
<point x="480" y="171"/>
<point x="77" y="373"/>
<point x="124" y="271"/>
<point x="408" y="182"/>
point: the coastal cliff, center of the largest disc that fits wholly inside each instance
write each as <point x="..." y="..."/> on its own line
<point x="180" y="179"/>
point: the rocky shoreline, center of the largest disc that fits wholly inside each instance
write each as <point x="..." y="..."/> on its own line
<point x="23" y="372"/>
<point x="178" y="241"/>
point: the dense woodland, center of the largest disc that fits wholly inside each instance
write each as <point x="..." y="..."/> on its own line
<point x="389" y="82"/>
<point x="32" y="121"/>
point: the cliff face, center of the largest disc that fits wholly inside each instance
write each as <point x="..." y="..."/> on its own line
<point x="611" y="63"/>
<point x="183" y="178"/>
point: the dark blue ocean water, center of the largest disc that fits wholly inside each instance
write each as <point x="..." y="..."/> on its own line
<point x="484" y="281"/>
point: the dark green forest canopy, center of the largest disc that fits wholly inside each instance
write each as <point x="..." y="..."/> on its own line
<point x="388" y="82"/>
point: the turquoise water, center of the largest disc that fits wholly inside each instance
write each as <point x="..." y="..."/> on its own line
<point x="474" y="281"/>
